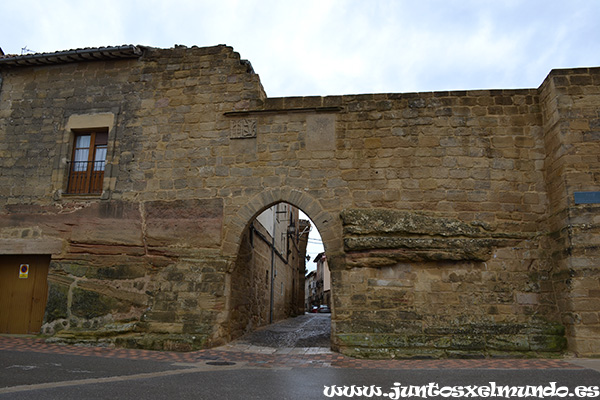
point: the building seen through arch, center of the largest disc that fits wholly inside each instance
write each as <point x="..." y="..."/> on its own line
<point x="318" y="285"/>
<point x="268" y="278"/>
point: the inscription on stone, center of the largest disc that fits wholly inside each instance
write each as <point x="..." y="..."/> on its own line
<point x="243" y="129"/>
<point x="320" y="132"/>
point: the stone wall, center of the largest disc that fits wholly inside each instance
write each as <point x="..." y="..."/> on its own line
<point x="448" y="288"/>
<point x="571" y="100"/>
<point x="137" y="261"/>
<point x="448" y="217"/>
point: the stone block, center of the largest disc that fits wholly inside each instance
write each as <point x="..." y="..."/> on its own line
<point x="56" y="306"/>
<point x="527" y="298"/>
<point x="87" y="304"/>
<point x="547" y="343"/>
<point x="320" y="132"/>
<point x="96" y="223"/>
<point x="189" y="223"/>
<point x="508" y="343"/>
<point x="164" y="327"/>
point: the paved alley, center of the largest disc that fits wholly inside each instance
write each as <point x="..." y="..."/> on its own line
<point x="308" y="333"/>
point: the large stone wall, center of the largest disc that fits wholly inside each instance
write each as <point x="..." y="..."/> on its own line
<point x="571" y="100"/>
<point x="448" y="217"/>
<point x="450" y="288"/>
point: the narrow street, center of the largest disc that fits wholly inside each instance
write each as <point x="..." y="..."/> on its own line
<point x="308" y="330"/>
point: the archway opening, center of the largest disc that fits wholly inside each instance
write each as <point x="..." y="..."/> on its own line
<point x="317" y="279"/>
<point x="273" y="281"/>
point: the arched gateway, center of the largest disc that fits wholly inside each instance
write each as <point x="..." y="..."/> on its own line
<point x="455" y="223"/>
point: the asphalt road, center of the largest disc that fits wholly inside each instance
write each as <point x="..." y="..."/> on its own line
<point x="48" y="373"/>
<point x="28" y="375"/>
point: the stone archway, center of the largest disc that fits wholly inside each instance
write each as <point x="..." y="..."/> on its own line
<point x="328" y="224"/>
<point x="247" y="305"/>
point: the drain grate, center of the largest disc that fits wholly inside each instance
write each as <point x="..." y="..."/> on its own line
<point x="220" y="363"/>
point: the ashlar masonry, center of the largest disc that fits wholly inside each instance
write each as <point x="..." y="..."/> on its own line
<point x="455" y="223"/>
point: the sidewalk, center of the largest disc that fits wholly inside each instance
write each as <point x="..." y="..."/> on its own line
<point x="268" y="357"/>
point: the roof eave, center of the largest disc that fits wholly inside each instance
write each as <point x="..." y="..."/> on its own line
<point x="69" y="56"/>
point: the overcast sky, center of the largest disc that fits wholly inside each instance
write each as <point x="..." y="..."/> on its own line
<point x="328" y="47"/>
<point x="334" y="47"/>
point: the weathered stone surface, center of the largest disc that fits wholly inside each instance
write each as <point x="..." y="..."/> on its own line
<point x="88" y="305"/>
<point x="56" y="307"/>
<point x="465" y="341"/>
<point x="184" y="223"/>
<point x="28" y="246"/>
<point x="459" y="205"/>
<point x="320" y="132"/>
<point x="385" y="221"/>
<point x="166" y="342"/>
<point x="390" y="250"/>
<point x="129" y="296"/>
<point x="122" y="271"/>
<point x="95" y="225"/>
<point x="380" y="237"/>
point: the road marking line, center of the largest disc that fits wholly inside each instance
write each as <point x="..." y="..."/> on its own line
<point x="120" y="378"/>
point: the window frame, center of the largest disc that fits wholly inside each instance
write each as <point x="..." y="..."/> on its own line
<point x="75" y="123"/>
<point x="88" y="180"/>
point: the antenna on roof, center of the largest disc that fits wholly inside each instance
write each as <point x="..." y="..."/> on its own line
<point x="25" y="50"/>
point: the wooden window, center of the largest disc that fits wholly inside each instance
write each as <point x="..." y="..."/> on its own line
<point x="88" y="162"/>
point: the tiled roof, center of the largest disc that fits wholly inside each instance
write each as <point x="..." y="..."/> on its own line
<point x="68" y="56"/>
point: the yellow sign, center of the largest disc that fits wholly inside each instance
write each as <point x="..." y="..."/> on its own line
<point x="23" y="271"/>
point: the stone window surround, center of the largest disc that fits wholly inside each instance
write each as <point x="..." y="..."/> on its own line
<point x="77" y="123"/>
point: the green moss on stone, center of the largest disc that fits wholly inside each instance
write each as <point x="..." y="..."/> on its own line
<point x="165" y="342"/>
<point x="508" y="343"/>
<point x="548" y="343"/>
<point x="72" y="268"/>
<point x="469" y="341"/>
<point x="118" y="272"/>
<point x="56" y="307"/>
<point x="87" y="304"/>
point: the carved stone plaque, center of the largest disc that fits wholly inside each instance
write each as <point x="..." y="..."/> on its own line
<point x="320" y="132"/>
<point x="243" y="129"/>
